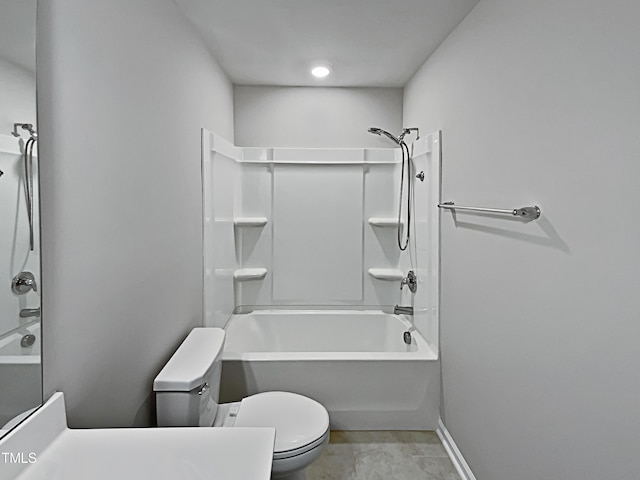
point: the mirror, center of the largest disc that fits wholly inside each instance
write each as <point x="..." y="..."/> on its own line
<point x="20" y="364"/>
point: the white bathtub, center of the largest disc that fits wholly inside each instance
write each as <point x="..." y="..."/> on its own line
<point x="20" y="375"/>
<point x="354" y="362"/>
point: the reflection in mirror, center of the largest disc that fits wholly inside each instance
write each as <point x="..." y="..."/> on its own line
<point x="20" y="370"/>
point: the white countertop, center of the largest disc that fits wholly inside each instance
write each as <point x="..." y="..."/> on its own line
<point x="140" y="453"/>
<point x="156" y="453"/>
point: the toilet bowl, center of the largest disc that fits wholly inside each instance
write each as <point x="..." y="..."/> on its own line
<point x="187" y="393"/>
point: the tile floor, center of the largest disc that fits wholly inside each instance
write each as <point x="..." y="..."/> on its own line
<point x="401" y="455"/>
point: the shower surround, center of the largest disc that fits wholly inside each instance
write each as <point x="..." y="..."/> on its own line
<point x="310" y="234"/>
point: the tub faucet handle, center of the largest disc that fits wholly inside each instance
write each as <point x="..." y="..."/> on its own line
<point x="23" y="282"/>
<point x="411" y="281"/>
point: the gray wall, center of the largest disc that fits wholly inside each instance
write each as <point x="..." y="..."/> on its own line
<point x="539" y="102"/>
<point x="124" y="88"/>
<point x="315" y="116"/>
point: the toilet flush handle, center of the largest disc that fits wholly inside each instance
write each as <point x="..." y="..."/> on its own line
<point x="203" y="388"/>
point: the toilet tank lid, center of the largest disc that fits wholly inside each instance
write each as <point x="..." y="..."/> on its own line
<point x="189" y="366"/>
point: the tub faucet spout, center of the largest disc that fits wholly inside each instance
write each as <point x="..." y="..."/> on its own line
<point x="29" y="312"/>
<point x="402" y="310"/>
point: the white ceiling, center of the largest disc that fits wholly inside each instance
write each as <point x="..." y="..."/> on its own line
<point x="368" y="43"/>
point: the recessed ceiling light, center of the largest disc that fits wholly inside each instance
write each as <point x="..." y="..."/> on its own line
<point x="320" y="71"/>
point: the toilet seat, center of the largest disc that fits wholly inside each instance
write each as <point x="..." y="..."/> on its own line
<point x="301" y="423"/>
<point x="299" y="451"/>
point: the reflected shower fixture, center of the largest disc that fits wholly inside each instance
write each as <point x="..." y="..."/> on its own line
<point x="28" y="171"/>
<point x="24" y="126"/>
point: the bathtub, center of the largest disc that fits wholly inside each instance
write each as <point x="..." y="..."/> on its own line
<point x="355" y="363"/>
<point x="19" y="372"/>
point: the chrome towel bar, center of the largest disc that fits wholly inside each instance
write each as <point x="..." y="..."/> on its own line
<point x="530" y="213"/>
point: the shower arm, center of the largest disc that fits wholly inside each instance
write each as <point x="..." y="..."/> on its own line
<point x="25" y="126"/>
<point x="407" y="131"/>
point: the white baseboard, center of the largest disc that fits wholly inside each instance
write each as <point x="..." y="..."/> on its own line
<point x="452" y="449"/>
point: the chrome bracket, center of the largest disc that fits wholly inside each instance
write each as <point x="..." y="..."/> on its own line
<point x="528" y="212"/>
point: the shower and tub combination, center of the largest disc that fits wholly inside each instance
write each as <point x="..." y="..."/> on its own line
<point x="405" y="167"/>
<point x="322" y="267"/>
<point x="19" y="298"/>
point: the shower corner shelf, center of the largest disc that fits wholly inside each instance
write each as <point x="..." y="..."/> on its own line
<point x="389" y="274"/>
<point x="245" y="274"/>
<point x="383" y="222"/>
<point x="250" y="221"/>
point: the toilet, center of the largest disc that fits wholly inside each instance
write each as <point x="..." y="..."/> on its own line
<point x="187" y="393"/>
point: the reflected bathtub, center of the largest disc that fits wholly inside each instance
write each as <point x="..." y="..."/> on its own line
<point x="355" y="363"/>
<point x="19" y="372"/>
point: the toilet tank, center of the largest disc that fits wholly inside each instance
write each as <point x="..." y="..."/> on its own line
<point x="187" y="388"/>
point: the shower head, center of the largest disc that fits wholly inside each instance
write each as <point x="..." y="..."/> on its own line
<point x="379" y="131"/>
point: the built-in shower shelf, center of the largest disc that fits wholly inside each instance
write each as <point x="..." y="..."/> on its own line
<point x="383" y="222"/>
<point x="250" y="221"/>
<point x="390" y="274"/>
<point x="245" y="274"/>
